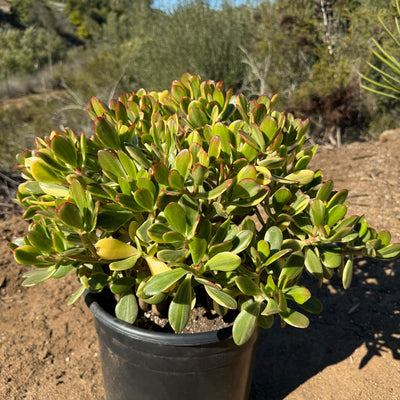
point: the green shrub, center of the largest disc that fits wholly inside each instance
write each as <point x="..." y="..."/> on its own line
<point x="185" y="193"/>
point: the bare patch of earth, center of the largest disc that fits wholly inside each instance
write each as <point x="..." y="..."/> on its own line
<point x="350" y="351"/>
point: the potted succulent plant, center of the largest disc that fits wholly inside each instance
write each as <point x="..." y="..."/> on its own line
<point x="186" y="197"/>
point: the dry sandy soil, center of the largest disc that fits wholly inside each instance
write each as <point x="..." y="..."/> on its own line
<point x="351" y="351"/>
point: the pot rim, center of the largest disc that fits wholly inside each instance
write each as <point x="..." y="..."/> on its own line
<point x="166" y="338"/>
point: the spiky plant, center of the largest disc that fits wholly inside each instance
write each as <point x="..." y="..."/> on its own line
<point x="389" y="73"/>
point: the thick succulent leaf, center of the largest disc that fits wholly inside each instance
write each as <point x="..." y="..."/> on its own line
<point x="249" y="152"/>
<point x="98" y="280"/>
<point x="248" y="171"/>
<point x="303" y="129"/>
<point x="259" y="113"/>
<point x="302" y="163"/>
<point x="299" y="205"/>
<point x="127" y="308"/>
<point x="385" y="238"/>
<point x="176" y="218"/>
<point x="144" y="198"/>
<point x="175" y="180"/>
<point x="281" y="197"/>
<point x="181" y="305"/>
<point x="269" y="128"/>
<point x="337" y="198"/>
<point x="109" y="162"/>
<point x="313" y="263"/>
<point x="69" y="213"/>
<point x="221" y="130"/>
<point x="120" y="113"/>
<point x="191" y="210"/>
<point x="125" y="264"/>
<point x="222" y="298"/>
<point x="200" y="173"/>
<point x="312" y="305"/>
<point x="265" y="321"/>
<point x="219" y="248"/>
<point x="276" y="256"/>
<point x="138" y="155"/>
<point x="155" y="265"/>
<point x="274" y="237"/>
<point x="299" y="294"/>
<point x="347" y="274"/>
<point x="156" y="232"/>
<point x="60" y="244"/>
<point x="246" y="188"/>
<point x="341" y="235"/>
<point x="128" y="202"/>
<point x="216" y="192"/>
<point x="272" y="162"/>
<point x="64" y="149"/>
<point x="122" y="285"/>
<point x="40" y="240"/>
<point x="42" y="172"/>
<point x="294" y="318"/>
<point x="293" y="244"/>
<point x="198" y="248"/>
<point x="241" y="241"/>
<point x="114" y="249"/>
<point x="332" y="258"/>
<point x="80" y="196"/>
<point x="161" y="173"/>
<point x="75" y="296"/>
<point x="48" y="158"/>
<point x="292" y="269"/>
<point x="63" y="270"/>
<point x="164" y="280"/>
<point x="302" y="177"/>
<point x="390" y="251"/>
<point x="172" y="255"/>
<point x="96" y="108"/>
<point x="245" y="323"/>
<point x="183" y="163"/>
<point x="271" y="308"/>
<point x="172" y="237"/>
<point x="197" y="117"/>
<point x="258" y="136"/>
<point x="247" y="286"/>
<point x="249" y="141"/>
<point x="178" y="91"/>
<point x="106" y="133"/>
<point x="214" y="147"/>
<point x="325" y="191"/>
<point x="141" y="232"/>
<point x="317" y="212"/>
<point x="36" y="276"/>
<point x="263" y="249"/>
<point x="224" y="261"/>
<point x="347" y="222"/>
<point x="264" y="175"/>
<point x="336" y="213"/>
<point x="251" y="201"/>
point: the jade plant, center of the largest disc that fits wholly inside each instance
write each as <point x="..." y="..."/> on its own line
<point x="186" y="193"/>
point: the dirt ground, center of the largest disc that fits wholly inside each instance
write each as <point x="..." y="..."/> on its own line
<point x="351" y="351"/>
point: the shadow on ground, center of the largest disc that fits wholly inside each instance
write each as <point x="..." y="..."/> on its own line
<point x="368" y="313"/>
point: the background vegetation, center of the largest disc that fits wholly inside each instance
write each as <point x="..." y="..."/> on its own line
<point x="55" y="55"/>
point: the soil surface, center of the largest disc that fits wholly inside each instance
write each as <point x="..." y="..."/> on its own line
<point x="351" y="351"/>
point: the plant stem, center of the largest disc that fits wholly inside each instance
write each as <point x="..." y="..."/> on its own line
<point x="89" y="245"/>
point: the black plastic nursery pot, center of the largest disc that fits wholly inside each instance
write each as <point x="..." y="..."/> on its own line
<point x="146" y="365"/>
